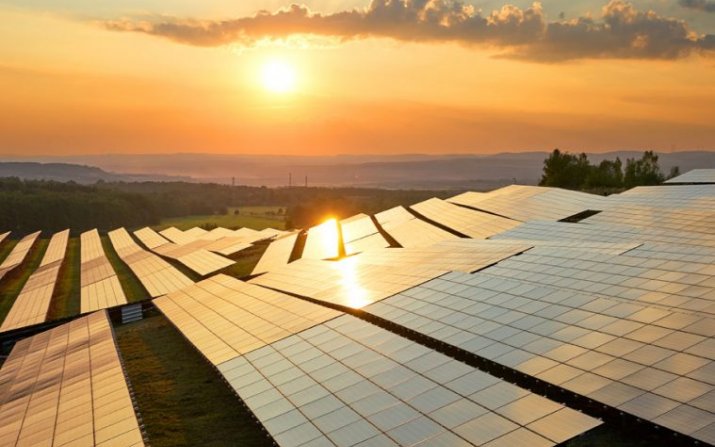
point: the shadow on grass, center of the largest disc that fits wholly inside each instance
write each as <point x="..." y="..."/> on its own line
<point x="132" y="287"/>
<point x="66" y="297"/>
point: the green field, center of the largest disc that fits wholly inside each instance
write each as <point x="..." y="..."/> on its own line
<point x="182" y="399"/>
<point x="256" y="217"/>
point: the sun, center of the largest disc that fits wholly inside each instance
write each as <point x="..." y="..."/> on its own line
<point x="278" y="76"/>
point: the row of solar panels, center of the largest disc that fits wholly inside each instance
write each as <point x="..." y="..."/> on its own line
<point x="100" y="287"/>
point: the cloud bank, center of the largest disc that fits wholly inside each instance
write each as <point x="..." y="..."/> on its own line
<point x="621" y="32"/>
<point x="700" y="5"/>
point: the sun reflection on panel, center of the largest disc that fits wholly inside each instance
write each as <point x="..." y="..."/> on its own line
<point x="323" y="241"/>
<point x="354" y="294"/>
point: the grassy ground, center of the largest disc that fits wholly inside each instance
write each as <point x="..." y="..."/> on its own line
<point x="132" y="287"/>
<point x="6" y="247"/>
<point x="12" y="283"/>
<point x="246" y="260"/>
<point x="256" y="217"/>
<point x="66" y="297"/>
<point x="181" y="398"/>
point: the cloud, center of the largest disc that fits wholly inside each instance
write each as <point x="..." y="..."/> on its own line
<point x="700" y="5"/>
<point x="621" y="32"/>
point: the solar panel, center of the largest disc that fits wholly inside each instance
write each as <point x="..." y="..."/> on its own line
<point x="526" y="203"/>
<point x="18" y="253"/>
<point x="611" y="233"/>
<point x="158" y="276"/>
<point x="100" y="286"/>
<point x="694" y="176"/>
<point x="277" y="254"/>
<point x="360" y="234"/>
<point x="224" y="317"/>
<point x="66" y="386"/>
<point x="671" y="284"/>
<point x="150" y="238"/>
<point x="336" y="380"/>
<point x="612" y="352"/>
<point x="323" y="241"/>
<point x="471" y="223"/>
<point x="177" y="236"/>
<point x="33" y="302"/>
<point x="409" y="231"/>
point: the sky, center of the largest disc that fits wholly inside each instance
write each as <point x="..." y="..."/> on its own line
<point x="355" y="77"/>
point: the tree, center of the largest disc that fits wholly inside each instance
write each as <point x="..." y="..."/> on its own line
<point x="643" y="172"/>
<point x="565" y="170"/>
<point x="608" y="174"/>
<point x="674" y="172"/>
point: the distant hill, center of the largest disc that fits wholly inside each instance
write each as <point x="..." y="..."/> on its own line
<point x="65" y="172"/>
<point x="417" y="171"/>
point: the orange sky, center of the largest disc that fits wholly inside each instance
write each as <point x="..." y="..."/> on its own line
<point x="72" y="86"/>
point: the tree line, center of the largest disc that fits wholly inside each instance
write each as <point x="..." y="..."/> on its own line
<point x="50" y="206"/>
<point x="30" y="205"/>
<point x="571" y="171"/>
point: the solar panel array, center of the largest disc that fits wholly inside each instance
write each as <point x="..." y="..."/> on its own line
<point x="277" y="254"/>
<point x="652" y="363"/>
<point x="526" y="203"/>
<point x="66" y="387"/>
<point x="33" y="302"/>
<point x="618" y="309"/>
<point x="362" y="279"/>
<point x="191" y="254"/>
<point x="18" y="253"/>
<point x="158" y="276"/>
<point x="474" y="224"/>
<point x="408" y="230"/>
<point x="100" y="286"/>
<point x="347" y="382"/>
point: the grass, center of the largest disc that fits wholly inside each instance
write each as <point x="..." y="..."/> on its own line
<point x="66" y="297"/>
<point x="256" y="217"/>
<point x="13" y="282"/>
<point x="246" y="260"/>
<point x="132" y="287"/>
<point x="181" y="398"/>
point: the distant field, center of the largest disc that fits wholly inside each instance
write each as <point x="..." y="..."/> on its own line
<point x="256" y="217"/>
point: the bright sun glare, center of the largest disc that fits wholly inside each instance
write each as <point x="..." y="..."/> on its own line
<point x="278" y="76"/>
